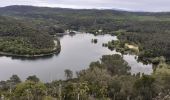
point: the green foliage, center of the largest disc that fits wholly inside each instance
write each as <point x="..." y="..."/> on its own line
<point x="54" y="29"/>
<point x="19" y="46"/>
<point x="148" y="30"/>
<point x="29" y="89"/>
<point x="102" y="76"/>
<point x="19" y="38"/>
<point x="26" y="30"/>
<point x="145" y="87"/>
<point x="73" y="91"/>
<point x="33" y="78"/>
<point x="15" y="79"/>
<point x="152" y="44"/>
<point x="118" y="45"/>
<point x="115" y="64"/>
<point x="98" y="82"/>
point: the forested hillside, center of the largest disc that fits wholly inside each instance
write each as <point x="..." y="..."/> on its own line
<point x="22" y="38"/>
<point x="87" y="20"/>
<point x="152" y="37"/>
<point x="150" y="31"/>
<point x="28" y="30"/>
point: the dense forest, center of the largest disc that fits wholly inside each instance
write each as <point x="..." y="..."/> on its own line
<point x="28" y="30"/>
<point x="152" y="37"/>
<point x="22" y="38"/>
<point x="150" y="31"/>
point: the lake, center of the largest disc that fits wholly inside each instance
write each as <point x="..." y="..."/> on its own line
<point x="77" y="52"/>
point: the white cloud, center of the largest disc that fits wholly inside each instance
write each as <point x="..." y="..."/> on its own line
<point x="134" y="5"/>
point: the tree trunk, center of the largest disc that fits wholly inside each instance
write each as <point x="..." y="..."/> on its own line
<point x="128" y="97"/>
<point x="78" y="96"/>
<point x="114" y="98"/>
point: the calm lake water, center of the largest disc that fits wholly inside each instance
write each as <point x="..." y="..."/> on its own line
<point x="76" y="54"/>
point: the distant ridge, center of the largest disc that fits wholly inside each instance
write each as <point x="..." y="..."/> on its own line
<point x="113" y="9"/>
<point x="23" y="10"/>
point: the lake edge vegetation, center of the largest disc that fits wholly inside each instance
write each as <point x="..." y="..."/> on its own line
<point x="107" y="79"/>
<point x="31" y="29"/>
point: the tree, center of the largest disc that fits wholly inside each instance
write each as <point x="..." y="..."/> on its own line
<point x="98" y="81"/>
<point x="162" y="76"/>
<point x="81" y="90"/>
<point x="115" y="64"/>
<point x="33" y="78"/>
<point x="127" y="91"/>
<point x="55" y="29"/>
<point x="114" y="88"/>
<point x="12" y="82"/>
<point x="145" y="87"/>
<point x="30" y="90"/>
<point x="68" y="74"/>
<point x="15" y="79"/>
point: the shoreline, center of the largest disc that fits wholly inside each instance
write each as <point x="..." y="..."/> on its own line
<point x="56" y="50"/>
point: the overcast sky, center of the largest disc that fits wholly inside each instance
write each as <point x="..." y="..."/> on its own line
<point x="132" y="5"/>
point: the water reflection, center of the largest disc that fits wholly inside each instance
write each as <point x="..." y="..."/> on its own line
<point x="76" y="54"/>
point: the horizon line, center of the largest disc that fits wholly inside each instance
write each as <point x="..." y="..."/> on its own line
<point x="97" y="8"/>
